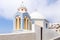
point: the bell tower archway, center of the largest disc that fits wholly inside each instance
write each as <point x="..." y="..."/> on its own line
<point x="25" y="23"/>
<point x="18" y="23"/>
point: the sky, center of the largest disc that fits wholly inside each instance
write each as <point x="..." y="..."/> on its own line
<point x="49" y="8"/>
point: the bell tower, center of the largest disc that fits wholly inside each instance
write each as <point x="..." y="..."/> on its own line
<point x="22" y="20"/>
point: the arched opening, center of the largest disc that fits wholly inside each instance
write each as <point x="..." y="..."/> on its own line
<point x="18" y="23"/>
<point x="25" y="23"/>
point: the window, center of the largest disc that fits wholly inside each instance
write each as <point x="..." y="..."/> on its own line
<point x="46" y="25"/>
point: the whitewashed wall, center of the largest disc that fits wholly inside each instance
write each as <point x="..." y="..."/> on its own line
<point x="49" y="34"/>
<point x="38" y="32"/>
<point x="25" y="36"/>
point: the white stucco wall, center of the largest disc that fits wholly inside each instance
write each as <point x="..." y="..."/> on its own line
<point x="49" y="34"/>
<point x="23" y="36"/>
<point x="39" y="23"/>
<point x="38" y="32"/>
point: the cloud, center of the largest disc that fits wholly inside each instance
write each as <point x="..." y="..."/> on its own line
<point x="51" y="12"/>
<point x="9" y="7"/>
<point x="49" y="8"/>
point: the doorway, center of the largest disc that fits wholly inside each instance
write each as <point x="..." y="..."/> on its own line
<point x="41" y="32"/>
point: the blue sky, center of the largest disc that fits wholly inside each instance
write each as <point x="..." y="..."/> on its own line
<point x="5" y="25"/>
<point x="49" y="8"/>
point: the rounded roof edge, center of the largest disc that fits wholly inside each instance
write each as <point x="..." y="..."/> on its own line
<point x="36" y="15"/>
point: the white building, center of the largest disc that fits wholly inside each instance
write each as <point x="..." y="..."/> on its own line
<point x="29" y="27"/>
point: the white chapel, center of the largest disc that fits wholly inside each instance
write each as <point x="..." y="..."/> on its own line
<point x="32" y="26"/>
